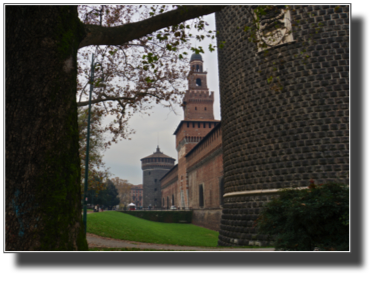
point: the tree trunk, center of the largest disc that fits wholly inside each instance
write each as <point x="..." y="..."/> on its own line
<point x="43" y="200"/>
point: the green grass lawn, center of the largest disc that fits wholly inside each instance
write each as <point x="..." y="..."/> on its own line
<point x="123" y="226"/>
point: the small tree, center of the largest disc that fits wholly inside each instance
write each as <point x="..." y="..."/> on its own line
<point x="301" y="220"/>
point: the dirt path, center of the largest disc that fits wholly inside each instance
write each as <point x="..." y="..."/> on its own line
<point x="102" y="242"/>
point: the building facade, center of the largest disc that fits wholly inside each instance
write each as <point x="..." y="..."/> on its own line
<point x="195" y="182"/>
<point x="136" y="195"/>
<point x="281" y="133"/>
<point x="154" y="167"/>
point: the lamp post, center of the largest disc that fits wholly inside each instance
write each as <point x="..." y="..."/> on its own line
<point x="85" y="198"/>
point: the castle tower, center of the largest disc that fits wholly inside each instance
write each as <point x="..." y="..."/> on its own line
<point x="154" y="167"/>
<point x="283" y="137"/>
<point x="198" y="104"/>
<point x="198" y="122"/>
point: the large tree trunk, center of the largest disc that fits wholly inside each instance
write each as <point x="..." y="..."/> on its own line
<point x="43" y="206"/>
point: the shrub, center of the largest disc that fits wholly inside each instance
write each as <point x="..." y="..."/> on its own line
<point x="301" y="220"/>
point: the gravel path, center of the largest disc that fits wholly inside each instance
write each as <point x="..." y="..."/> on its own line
<point x="102" y="242"/>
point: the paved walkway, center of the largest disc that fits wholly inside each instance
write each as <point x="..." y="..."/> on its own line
<point x="102" y="242"/>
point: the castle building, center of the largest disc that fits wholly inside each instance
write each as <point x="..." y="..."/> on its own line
<point x="196" y="181"/>
<point x="282" y="133"/>
<point x="154" y="167"/>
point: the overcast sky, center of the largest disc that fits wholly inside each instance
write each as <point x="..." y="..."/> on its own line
<point x="123" y="158"/>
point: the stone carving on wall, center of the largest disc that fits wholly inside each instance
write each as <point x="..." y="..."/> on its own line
<point x="274" y="28"/>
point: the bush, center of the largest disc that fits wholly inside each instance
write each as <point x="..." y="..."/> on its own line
<point x="301" y="220"/>
<point x="163" y="216"/>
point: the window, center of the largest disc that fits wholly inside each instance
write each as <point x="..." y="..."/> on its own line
<point x="187" y="124"/>
<point x="221" y="190"/>
<point x="149" y="173"/>
<point x="155" y="189"/>
<point x="200" y="195"/>
<point x="274" y="28"/>
<point x="198" y="82"/>
<point x="205" y="108"/>
<point x="199" y="125"/>
<point x="173" y="199"/>
<point x="195" y="108"/>
<point x="155" y="180"/>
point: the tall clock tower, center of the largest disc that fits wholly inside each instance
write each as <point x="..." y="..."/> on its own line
<point x="198" y="122"/>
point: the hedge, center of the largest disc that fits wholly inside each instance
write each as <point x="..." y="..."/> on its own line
<point x="163" y="216"/>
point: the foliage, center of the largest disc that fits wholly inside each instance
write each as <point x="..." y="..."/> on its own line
<point x="123" y="187"/>
<point x="96" y="168"/>
<point x="132" y="77"/>
<point x="303" y="219"/>
<point x="107" y="197"/>
<point x="113" y="224"/>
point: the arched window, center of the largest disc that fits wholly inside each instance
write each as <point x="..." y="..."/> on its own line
<point x="198" y="82"/>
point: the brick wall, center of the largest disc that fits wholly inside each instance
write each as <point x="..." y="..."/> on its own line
<point x="169" y="187"/>
<point x="277" y="139"/>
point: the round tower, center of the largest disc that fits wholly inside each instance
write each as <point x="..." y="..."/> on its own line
<point x="154" y="167"/>
<point x="280" y="133"/>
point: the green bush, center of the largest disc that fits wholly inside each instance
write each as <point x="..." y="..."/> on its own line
<point x="301" y="220"/>
<point x="163" y="216"/>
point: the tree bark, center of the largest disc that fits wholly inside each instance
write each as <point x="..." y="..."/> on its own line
<point x="43" y="200"/>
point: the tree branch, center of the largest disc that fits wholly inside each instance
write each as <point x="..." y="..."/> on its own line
<point x="98" y="35"/>
<point x="107" y="98"/>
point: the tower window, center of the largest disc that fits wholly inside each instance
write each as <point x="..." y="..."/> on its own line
<point x="198" y="82"/>
<point x="187" y="124"/>
<point x="199" y="125"/>
<point x="149" y="173"/>
<point x="205" y="108"/>
<point x="195" y="108"/>
<point x="155" y="180"/>
<point x="155" y="189"/>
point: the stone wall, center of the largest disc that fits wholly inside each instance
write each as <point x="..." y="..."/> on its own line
<point x="276" y="138"/>
<point x="207" y="218"/>
<point x="151" y="187"/>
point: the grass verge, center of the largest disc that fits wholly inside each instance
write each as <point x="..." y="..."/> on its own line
<point x="122" y="226"/>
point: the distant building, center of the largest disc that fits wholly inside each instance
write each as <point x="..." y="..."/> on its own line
<point x="136" y="195"/>
<point x="196" y="182"/>
<point x="154" y="167"/>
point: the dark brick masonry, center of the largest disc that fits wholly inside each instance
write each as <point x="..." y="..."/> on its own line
<point x="278" y="139"/>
